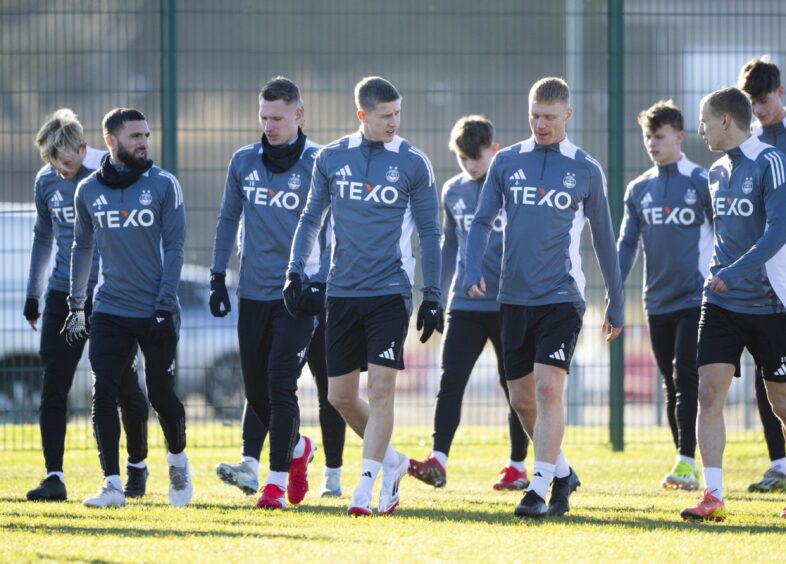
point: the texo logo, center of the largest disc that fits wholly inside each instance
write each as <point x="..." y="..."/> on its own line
<point x="669" y="216"/>
<point x="532" y="196"/>
<point x="271" y="198"/>
<point x="114" y="219"/>
<point x="733" y="207"/>
<point x="366" y="193"/>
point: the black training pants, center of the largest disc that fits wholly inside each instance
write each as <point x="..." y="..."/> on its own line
<point x="273" y="349"/>
<point x="330" y="421"/>
<point x="113" y="342"/>
<point x="59" y="362"/>
<point x="674" y="338"/>
<point x="465" y="337"/>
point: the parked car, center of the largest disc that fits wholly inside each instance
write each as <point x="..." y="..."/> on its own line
<point x="20" y="366"/>
<point x="208" y="359"/>
<point x="208" y="362"/>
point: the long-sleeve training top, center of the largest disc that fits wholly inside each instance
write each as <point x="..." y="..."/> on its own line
<point x="548" y="193"/>
<point x="668" y="210"/>
<point x="140" y="233"/>
<point x="749" y="207"/>
<point x="377" y="193"/>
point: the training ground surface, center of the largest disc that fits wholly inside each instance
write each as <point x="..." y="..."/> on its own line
<point x="619" y="514"/>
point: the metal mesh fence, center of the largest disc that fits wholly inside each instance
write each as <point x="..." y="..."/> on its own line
<point x="194" y="68"/>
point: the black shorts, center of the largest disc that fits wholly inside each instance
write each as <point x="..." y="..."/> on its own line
<point x="544" y="334"/>
<point x="723" y="334"/>
<point x="366" y="330"/>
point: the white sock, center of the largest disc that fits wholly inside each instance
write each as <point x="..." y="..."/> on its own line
<point x="331" y="471"/>
<point x="277" y="478"/>
<point x="542" y="474"/>
<point x="517" y="464"/>
<point x="300" y="448"/>
<point x="59" y="476"/>
<point x="691" y="461"/>
<point x="561" y="467"/>
<point x="142" y="464"/>
<point x="441" y="457"/>
<point x="114" y="480"/>
<point x="252" y="463"/>
<point x="180" y="459"/>
<point x="713" y="481"/>
<point x="391" y="457"/>
<point x="779" y="465"/>
<point x="369" y="469"/>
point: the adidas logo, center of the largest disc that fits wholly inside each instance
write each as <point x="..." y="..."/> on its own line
<point x="518" y="175"/>
<point x="302" y="354"/>
<point x="366" y="475"/>
<point x="459" y="207"/>
<point x="782" y="370"/>
<point x="538" y="474"/>
<point x="559" y="354"/>
<point x="160" y="319"/>
<point x="646" y="200"/>
<point x="100" y="201"/>
<point x="388" y="354"/>
<point x="314" y="290"/>
<point x="253" y="177"/>
<point x="344" y="171"/>
<point x="57" y="198"/>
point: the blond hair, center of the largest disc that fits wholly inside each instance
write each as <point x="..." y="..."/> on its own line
<point x="550" y="89"/>
<point x="60" y="133"/>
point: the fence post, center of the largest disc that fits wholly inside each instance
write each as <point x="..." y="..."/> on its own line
<point x="616" y="187"/>
<point x="168" y="86"/>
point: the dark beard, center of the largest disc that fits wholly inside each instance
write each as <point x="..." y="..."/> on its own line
<point x="128" y="158"/>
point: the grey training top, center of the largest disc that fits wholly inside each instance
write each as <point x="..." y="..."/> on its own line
<point x="377" y="194"/>
<point x="139" y="232"/>
<point x="774" y="134"/>
<point x="269" y="205"/>
<point x="54" y="223"/>
<point x="669" y="210"/>
<point x="749" y="206"/>
<point x="548" y="193"/>
<point x="460" y="198"/>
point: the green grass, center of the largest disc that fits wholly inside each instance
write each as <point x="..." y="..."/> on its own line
<point x="619" y="514"/>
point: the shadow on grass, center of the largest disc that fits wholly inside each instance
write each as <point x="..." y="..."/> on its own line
<point x="146" y="532"/>
<point x="622" y="517"/>
<point x="58" y="557"/>
<point x="249" y="515"/>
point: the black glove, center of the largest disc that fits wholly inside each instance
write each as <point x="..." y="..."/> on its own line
<point x="312" y="302"/>
<point x="219" y="295"/>
<point x="430" y="317"/>
<point x="75" y="328"/>
<point x="31" y="309"/>
<point x="162" y="327"/>
<point x="293" y="288"/>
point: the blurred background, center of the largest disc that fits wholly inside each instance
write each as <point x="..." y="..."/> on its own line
<point x="195" y="68"/>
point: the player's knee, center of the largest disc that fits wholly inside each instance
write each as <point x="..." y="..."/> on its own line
<point x="523" y="404"/>
<point x="709" y="396"/>
<point x="340" y="399"/>
<point x="134" y="406"/>
<point x="547" y="394"/>
<point x="380" y="402"/>
<point x="161" y="399"/>
<point x="280" y="388"/>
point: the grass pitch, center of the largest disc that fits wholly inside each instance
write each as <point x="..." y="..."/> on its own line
<point x="619" y="514"/>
